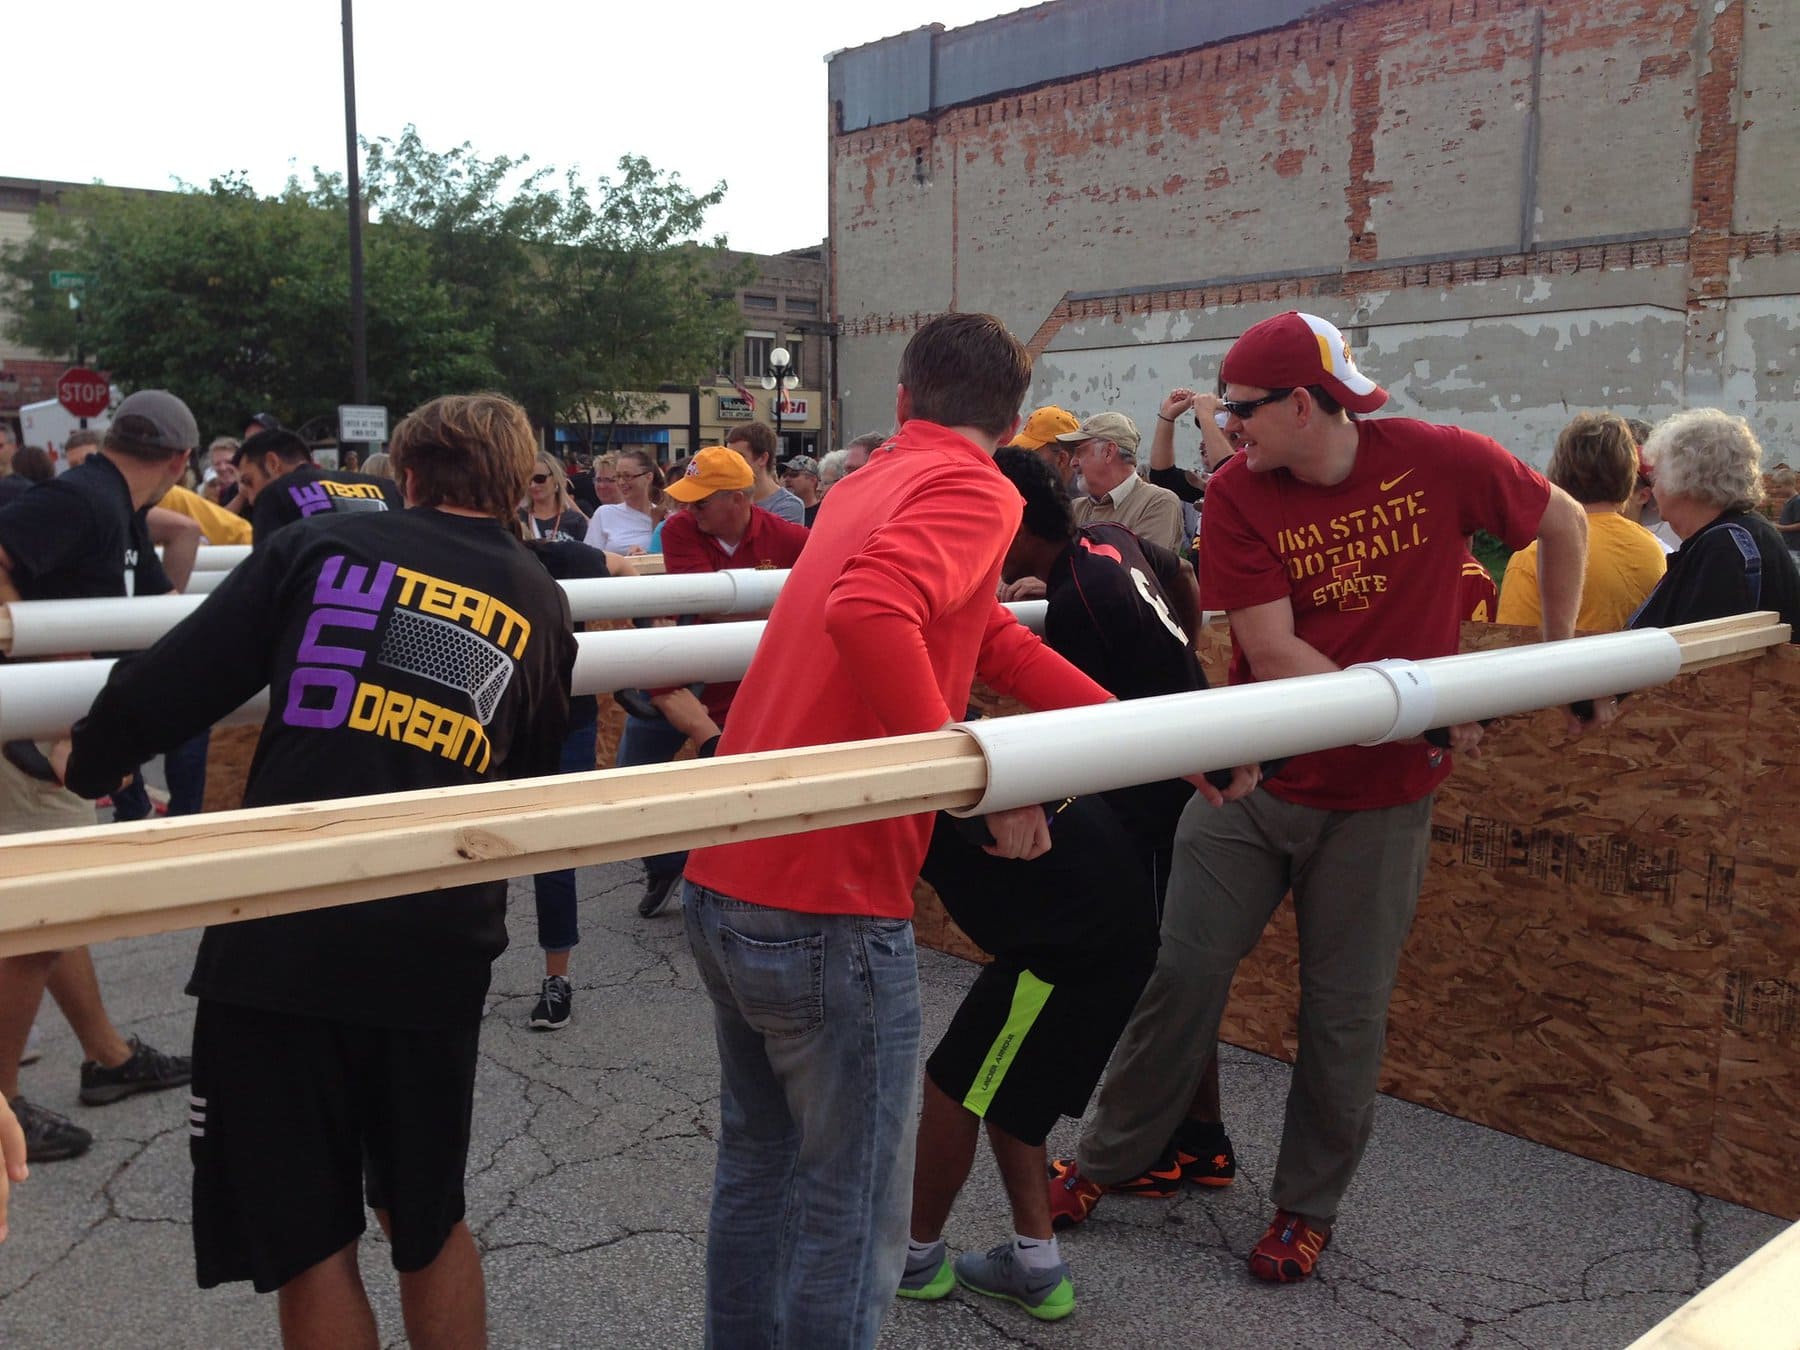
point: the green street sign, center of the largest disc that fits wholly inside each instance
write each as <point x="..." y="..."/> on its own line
<point x="70" y="281"/>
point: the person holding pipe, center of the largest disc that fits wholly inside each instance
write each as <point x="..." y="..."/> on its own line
<point x="335" y="1048"/>
<point x="1331" y="542"/>
<point x="720" y="529"/>
<point x="805" y="943"/>
<point x="82" y="536"/>
<point x="279" y="484"/>
<point x="1073" y="932"/>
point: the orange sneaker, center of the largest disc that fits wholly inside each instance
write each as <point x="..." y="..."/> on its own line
<point x="1072" y="1196"/>
<point x="1289" y="1250"/>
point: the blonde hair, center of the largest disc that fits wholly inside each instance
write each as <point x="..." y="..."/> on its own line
<point x="559" y="478"/>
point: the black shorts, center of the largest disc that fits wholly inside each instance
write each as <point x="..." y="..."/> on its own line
<point x="1074" y="936"/>
<point x="290" y="1116"/>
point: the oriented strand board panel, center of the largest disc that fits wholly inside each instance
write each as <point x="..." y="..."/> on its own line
<point x="1606" y="957"/>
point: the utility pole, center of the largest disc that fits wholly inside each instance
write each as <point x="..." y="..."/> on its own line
<point x="359" y="343"/>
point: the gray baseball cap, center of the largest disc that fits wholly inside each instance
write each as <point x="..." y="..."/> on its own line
<point x="155" y="419"/>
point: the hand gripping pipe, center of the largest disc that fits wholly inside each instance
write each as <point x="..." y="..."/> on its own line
<point x="1038" y="757"/>
<point x="56" y="627"/>
<point x="42" y="700"/>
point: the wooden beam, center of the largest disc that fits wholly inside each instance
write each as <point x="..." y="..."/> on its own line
<point x="62" y="888"/>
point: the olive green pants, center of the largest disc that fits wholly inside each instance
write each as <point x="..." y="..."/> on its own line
<point x="1355" y="878"/>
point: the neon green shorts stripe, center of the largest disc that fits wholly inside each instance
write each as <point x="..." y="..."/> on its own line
<point x="1029" y="997"/>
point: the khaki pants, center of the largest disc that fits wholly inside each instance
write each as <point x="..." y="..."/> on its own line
<point x="1355" y="876"/>
<point x="27" y="804"/>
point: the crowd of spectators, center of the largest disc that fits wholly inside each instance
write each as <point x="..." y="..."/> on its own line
<point x="1327" y="536"/>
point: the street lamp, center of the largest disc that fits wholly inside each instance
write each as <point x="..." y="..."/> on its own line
<point x="780" y="379"/>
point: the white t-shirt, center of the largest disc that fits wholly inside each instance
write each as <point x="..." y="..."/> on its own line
<point x="618" y="528"/>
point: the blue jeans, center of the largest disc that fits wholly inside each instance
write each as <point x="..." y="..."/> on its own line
<point x="184" y="769"/>
<point x="817" y="1020"/>
<point x="554" y="892"/>
<point x="646" y="742"/>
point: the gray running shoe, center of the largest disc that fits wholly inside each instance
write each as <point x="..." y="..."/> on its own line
<point x="657" y="892"/>
<point x="49" y="1137"/>
<point x="1046" y="1294"/>
<point x="928" y="1276"/>
<point x="148" y="1070"/>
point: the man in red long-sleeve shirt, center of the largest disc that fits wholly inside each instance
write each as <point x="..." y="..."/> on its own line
<point x="805" y="942"/>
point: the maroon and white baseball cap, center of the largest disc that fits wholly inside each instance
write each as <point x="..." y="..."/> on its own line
<point x="1294" y="349"/>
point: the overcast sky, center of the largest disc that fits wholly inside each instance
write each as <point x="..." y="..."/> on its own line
<point x="140" y="94"/>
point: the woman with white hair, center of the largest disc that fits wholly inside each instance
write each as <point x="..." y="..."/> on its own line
<point x="831" y="468"/>
<point x="1706" y="466"/>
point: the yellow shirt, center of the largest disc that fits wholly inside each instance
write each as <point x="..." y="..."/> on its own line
<point x="1624" y="563"/>
<point x="216" y="523"/>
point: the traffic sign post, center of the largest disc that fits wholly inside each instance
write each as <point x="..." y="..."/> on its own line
<point x="359" y="423"/>
<point x="85" y="393"/>
<point x="70" y="281"/>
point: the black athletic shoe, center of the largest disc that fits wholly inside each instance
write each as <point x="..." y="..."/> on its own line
<point x="48" y="1136"/>
<point x="148" y="1070"/>
<point x="657" y="891"/>
<point x="553" y="1005"/>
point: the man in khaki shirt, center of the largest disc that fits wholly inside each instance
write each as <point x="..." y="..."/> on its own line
<point x="1105" y="449"/>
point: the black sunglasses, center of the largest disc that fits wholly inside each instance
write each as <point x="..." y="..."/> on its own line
<point x="1242" y="408"/>
<point x="540" y="478"/>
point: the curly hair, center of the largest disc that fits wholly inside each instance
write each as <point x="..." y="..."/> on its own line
<point x="1708" y="456"/>
<point x="473" y="451"/>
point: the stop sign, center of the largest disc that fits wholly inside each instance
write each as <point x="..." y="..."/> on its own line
<point x="83" y="392"/>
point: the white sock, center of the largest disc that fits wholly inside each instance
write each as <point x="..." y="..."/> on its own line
<point x="920" y="1248"/>
<point x="1036" y="1253"/>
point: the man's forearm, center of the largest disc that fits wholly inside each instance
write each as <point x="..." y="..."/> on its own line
<point x="1162" y="443"/>
<point x="1284" y="658"/>
<point x="1562" y="564"/>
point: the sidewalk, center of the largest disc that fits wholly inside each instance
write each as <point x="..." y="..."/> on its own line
<point x="592" y="1161"/>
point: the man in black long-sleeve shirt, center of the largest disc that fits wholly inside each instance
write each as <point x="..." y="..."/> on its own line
<point x="402" y="650"/>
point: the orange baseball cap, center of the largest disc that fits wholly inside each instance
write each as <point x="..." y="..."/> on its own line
<point x="714" y="469"/>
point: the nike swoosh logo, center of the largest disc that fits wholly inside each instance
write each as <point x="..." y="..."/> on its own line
<point x="1389" y="484"/>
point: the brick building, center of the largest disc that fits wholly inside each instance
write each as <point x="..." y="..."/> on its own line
<point x="26" y="376"/>
<point x="1516" y="208"/>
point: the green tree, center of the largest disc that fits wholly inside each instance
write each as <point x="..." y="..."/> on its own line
<point x="628" y="300"/>
<point x="578" y="300"/>
<point x="239" y="303"/>
<point x="595" y="295"/>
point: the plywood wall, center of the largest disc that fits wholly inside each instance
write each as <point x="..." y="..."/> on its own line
<point x="1606" y="957"/>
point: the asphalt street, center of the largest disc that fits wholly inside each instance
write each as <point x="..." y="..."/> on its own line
<point x="592" y="1160"/>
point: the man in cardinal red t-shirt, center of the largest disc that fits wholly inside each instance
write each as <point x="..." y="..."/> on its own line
<point x="805" y="942"/>
<point x="1329" y="541"/>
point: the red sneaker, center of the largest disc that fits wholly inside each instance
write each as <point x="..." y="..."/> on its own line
<point x="1289" y="1250"/>
<point x="1072" y="1196"/>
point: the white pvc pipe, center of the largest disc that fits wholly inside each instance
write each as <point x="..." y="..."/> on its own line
<point x="42" y="700"/>
<point x="1036" y="757"/>
<point x="220" y="557"/>
<point x="55" y="627"/>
